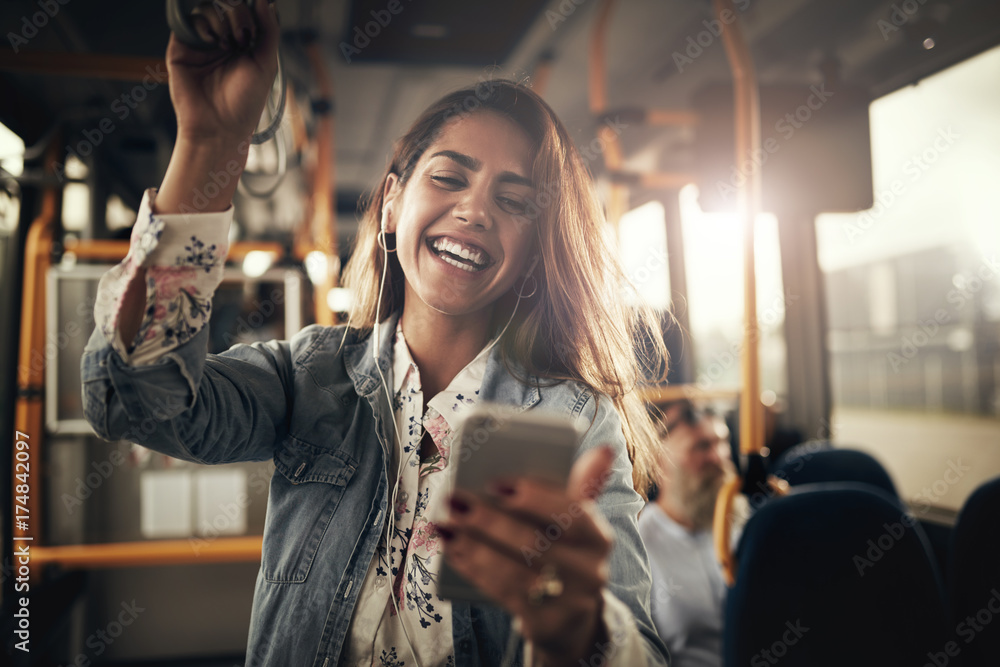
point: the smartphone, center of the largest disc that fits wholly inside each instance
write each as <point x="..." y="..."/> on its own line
<point x="496" y="442"/>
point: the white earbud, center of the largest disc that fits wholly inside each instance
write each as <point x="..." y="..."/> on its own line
<point x="380" y="242"/>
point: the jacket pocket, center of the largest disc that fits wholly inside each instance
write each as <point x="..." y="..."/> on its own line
<point x="306" y="490"/>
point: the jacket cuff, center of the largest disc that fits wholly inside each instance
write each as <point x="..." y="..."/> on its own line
<point x="184" y="257"/>
<point x="625" y="646"/>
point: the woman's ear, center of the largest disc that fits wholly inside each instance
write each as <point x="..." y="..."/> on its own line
<point x="390" y="192"/>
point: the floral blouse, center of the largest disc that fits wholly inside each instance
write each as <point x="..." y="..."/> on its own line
<point x="408" y="569"/>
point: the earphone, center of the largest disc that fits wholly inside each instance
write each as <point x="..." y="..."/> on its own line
<point x="395" y="442"/>
<point x="381" y="288"/>
<point x="513" y="638"/>
<point x="534" y="262"/>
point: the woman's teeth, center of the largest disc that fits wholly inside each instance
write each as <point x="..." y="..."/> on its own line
<point x="455" y="262"/>
<point x="464" y="258"/>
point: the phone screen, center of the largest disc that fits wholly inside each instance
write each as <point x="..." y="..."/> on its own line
<point x="495" y="442"/>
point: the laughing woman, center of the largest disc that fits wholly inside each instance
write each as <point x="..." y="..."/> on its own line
<point x="480" y="274"/>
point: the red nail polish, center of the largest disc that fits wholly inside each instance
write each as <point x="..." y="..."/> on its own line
<point x="502" y="489"/>
<point x="459" y="505"/>
<point x="445" y="533"/>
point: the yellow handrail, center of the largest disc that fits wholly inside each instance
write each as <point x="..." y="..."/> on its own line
<point x="28" y="412"/>
<point x="746" y="103"/>
<point x="149" y="553"/>
<point x="85" y="65"/>
<point x="110" y="250"/>
<point x="677" y="392"/>
<point x="614" y="156"/>
<point x="321" y="232"/>
<point x="722" y="521"/>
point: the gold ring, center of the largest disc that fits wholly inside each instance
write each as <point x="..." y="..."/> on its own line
<point x="548" y="585"/>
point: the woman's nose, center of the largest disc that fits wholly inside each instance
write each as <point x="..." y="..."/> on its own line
<point x="473" y="208"/>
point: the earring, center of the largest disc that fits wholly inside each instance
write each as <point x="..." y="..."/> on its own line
<point x="380" y="240"/>
<point x="534" y="287"/>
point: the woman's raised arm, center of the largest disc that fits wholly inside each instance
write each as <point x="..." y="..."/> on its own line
<point x="218" y="96"/>
<point x="145" y="363"/>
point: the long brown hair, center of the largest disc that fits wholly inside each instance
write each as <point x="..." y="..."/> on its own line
<point x="576" y="325"/>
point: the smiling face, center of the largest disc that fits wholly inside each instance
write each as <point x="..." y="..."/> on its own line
<point x="462" y="238"/>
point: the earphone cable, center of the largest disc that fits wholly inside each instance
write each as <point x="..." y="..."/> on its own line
<point x="512" y="642"/>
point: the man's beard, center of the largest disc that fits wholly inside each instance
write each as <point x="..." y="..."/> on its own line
<point x="696" y="498"/>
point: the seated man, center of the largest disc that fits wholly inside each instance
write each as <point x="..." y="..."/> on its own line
<point x="688" y="591"/>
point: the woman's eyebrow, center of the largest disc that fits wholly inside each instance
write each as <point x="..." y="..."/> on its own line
<point x="466" y="161"/>
<point x="473" y="164"/>
<point x="516" y="179"/>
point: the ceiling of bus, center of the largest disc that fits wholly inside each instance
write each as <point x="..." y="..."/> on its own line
<point x="433" y="46"/>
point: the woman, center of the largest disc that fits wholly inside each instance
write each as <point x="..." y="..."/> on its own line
<point x="480" y="275"/>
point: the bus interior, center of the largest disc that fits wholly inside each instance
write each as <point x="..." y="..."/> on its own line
<point x="866" y="169"/>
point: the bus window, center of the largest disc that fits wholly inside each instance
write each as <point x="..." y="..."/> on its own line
<point x="713" y="253"/>
<point x="913" y="292"/>
<point x="642" y="245"/>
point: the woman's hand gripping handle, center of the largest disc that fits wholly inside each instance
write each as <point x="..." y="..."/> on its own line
<point x="218" y="96"/>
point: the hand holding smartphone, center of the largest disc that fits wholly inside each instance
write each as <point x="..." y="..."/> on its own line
<point x="494" y="443"/>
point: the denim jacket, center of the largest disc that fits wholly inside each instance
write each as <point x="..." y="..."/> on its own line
<point x="315" y="405"/>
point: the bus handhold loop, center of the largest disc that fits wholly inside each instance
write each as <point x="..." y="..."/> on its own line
<point x="179" y="14"/>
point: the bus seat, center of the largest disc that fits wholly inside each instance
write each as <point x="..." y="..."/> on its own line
<point x="974" y="577"/>
<point x="816" y="462"/>
<point x="833" y="574"/>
